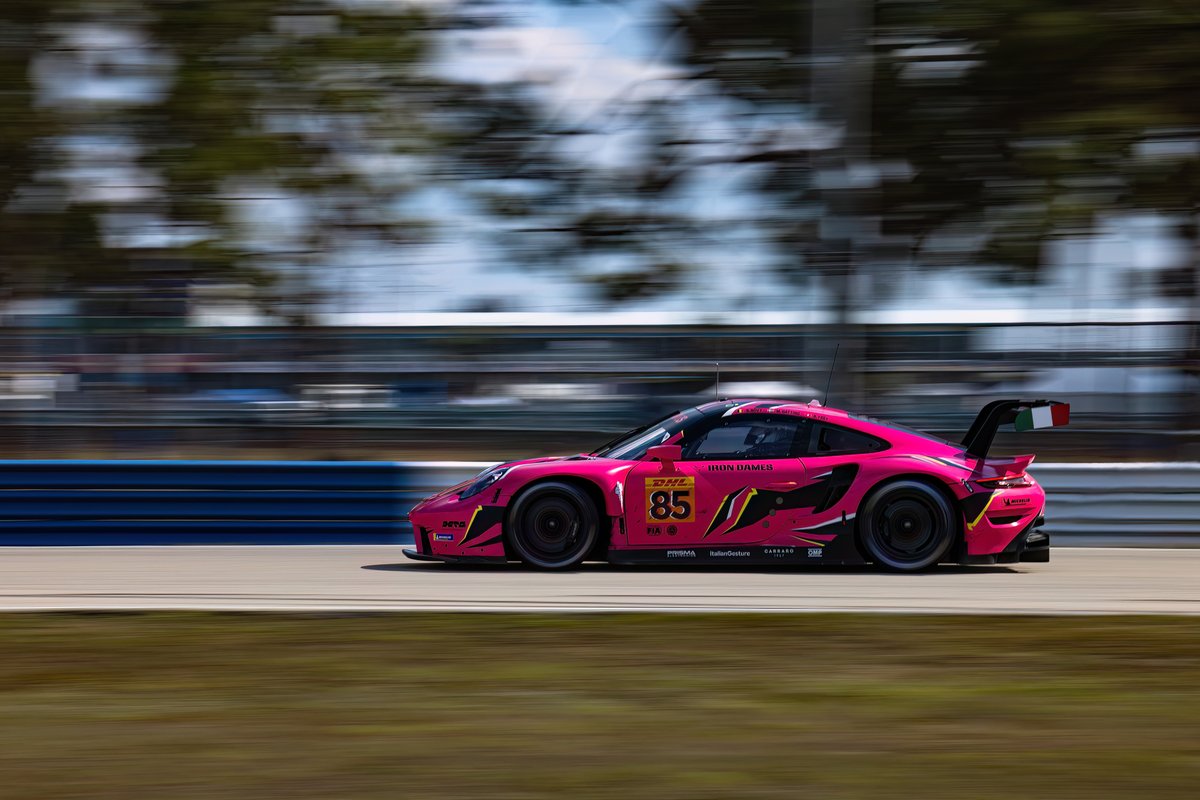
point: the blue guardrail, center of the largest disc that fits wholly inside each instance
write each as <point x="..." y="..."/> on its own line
<point x="208" y="502"/>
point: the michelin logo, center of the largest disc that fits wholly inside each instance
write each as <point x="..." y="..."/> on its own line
<point x="444" y="537"/>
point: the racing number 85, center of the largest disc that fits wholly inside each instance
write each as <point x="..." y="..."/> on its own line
<point x="670" y="504"/>
<point x="670" y="499"/>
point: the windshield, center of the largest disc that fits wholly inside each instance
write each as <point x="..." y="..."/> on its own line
<point x="633" y="445"/>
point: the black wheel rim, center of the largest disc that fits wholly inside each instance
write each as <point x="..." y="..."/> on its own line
<point x="552" y="527"/>
<point x="907" y="528"/>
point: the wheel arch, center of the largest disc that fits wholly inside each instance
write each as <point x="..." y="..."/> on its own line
<point x="589" y="487"/>
<point x="607" y="503"/>
<point x="936" y="483"/>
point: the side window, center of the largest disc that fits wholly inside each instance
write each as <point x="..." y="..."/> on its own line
<point x="831" y="440"/>
<point x="748" y="437"/>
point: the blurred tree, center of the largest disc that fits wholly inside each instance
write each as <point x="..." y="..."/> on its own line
<point x="1012" y="120"/>
<point x="46" y="238"/>
<point x="759" y="52"/>
<point x="614" y="225"/>
<point x="222" y="105"/>
<point x="1028" y="118"/>
<point x="762" y="56"/>
<point x="810" y="60"/>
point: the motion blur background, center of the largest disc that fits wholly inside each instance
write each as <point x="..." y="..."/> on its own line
<point x="470" y="230"/>
<point x="389" y="229"/>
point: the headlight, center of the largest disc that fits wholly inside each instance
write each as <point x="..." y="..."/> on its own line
<point x="486" y="479"/>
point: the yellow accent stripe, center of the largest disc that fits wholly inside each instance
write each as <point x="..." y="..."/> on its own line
<point x="745" y="505"/>
<point x="811" y="542"/>
<point x="986" y="506"/>
<point x="472" y="521"/>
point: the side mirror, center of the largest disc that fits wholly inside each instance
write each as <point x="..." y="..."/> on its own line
<point x="668" y="454"/>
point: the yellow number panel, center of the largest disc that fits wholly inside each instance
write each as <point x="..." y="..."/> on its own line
<point x="671" y="499"/>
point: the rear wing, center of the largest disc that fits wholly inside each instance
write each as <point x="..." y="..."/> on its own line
<point x="1025" y="415"/>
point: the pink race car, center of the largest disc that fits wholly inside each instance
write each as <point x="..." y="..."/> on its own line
<point x="755" y="482"/>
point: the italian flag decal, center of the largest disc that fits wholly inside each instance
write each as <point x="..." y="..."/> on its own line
<point x="1048" y="416"/>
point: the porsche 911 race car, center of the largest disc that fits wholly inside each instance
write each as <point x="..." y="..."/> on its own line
<point x="755" y="482"/>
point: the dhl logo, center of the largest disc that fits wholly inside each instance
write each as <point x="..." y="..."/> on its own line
<point x="666" y="483"/>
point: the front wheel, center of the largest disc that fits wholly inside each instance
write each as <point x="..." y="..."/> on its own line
<point x="907" y="525"/>
<point x="553" y="526"/>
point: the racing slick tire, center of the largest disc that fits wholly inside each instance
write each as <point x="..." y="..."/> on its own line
<point x="906" y="525"/>
<point x="553" y="526"/>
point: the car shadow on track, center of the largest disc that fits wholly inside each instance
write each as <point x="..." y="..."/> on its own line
<point x="598" y="567"/>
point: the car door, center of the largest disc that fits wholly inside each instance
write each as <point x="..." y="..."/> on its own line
<point x="727" y="487"/>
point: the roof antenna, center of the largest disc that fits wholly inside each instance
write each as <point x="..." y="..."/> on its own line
<point x="717" y="388"/>
<point x="829" y="380"/>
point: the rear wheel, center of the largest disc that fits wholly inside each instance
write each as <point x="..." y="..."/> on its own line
<point x="907" y="525"/>
<point x="553" y="526"/>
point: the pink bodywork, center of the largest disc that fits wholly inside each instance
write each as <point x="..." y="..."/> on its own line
<point x="728" y="496"/>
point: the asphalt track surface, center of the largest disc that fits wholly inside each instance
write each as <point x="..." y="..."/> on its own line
<point x="380" y="578"/>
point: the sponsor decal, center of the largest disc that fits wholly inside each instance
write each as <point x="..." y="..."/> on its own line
<point x="671" y="499"/>
<point x="796" y="412"/>
<point x="770" y="555"/>
<point x="654" y="530"/>
<point x="741" y="467"/>
<point x="444" y="537"/>
<point x="1016" y="501"/>
<point x="451" y="523"/>
<point x="682" y="481"/>
<point x="672" y="530"/>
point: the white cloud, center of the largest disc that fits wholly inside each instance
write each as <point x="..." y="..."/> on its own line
<point x="577" y="77"/>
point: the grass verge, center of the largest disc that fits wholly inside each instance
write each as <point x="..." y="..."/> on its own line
<point x="185" y="705"/>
